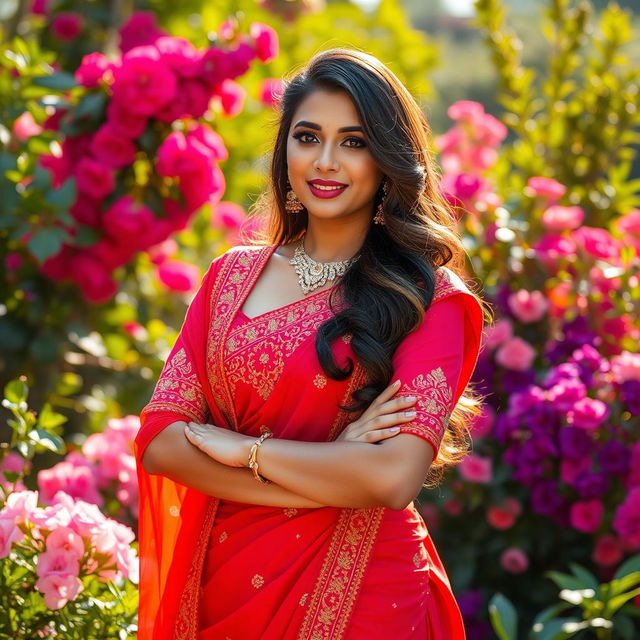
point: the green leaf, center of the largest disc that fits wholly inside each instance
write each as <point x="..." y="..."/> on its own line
<point x="564" y="580"/>
<point x="47" y="242"/>
<point x="631" y="565"/>
<point x="61" y="81"/>
<point x="25" y="449"/>
<point x="16" y="392"/>
<point x="91" y="106"/>
<point x="64" y="196"/>
<point x="551" y="612"/>
<point x="11" y="476"/>
<point x="624" y="583"/>
<point x="556" y="629"/>
<point x="49" y="419"/>
<point x="589" y="581"/>
<point x="615" y="603"/>
<point x="504" y="618"/>
<point x="47" y="440"/>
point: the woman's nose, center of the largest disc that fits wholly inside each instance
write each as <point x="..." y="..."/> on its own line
<point x="326" y="160"/>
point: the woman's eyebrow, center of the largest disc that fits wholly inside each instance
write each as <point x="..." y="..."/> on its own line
<point x="313" y="125"/>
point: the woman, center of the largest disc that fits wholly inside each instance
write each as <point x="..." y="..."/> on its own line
<point x="276" y="497"/>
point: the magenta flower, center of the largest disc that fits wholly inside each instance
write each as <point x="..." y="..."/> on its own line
<point x="92" y="69"/>
<point x="231" y="96"/>
<point x="228" y="215"/>
<point x="528" y="306"/>
<point x="597" y="242"/>
<point x="94" y="179"/>
<point x="143" y="82"/>
<point x="625" y="366"/>
<point x="475" y="468"/>
<point x="111" y="148"/>
<point x="588" y="413"/>
<point x="608" y="551"/>
<point x="514" y="560"/>
<point x="93" y="277"/>
<point x="67" y="26"/>
<point x="552" y="247"/>
<point x="180" y="55"/>
<point x="586" y="515"/>
<point x="179" y="276"/>
<point x="559" y="218"/>
<point x="546" y="188"/>
<point x="141" y="29"/>
<point x="76" y="480"/>
<point x="177" y="156"/>
<point x="516" y="354"/>
<point x="127" y="217"/>
<point x="266" y="41"/>
<point x="123" y="121"/>
<point x="210" y="139"/>
<point x="626" y="522"/>
<point x="239" y="59"/>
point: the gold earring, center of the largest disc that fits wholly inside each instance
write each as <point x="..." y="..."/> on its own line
<point x="292" y="205"/>
<point x="379" y="217"/>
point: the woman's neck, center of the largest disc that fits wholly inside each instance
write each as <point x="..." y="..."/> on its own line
<point x="334" y="240"/>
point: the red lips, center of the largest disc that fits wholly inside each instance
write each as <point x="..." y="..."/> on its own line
<point x="327" y="183"/>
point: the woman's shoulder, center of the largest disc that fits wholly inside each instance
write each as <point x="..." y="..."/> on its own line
<point x="449" y="283"/>
<point x="242" y="252"/>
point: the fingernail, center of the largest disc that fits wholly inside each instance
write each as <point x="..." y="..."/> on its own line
<point x="409" y="414"/>
<point x="396" y="383"/>
<point x="410" y="398"/>
<point x="394" y="429"/>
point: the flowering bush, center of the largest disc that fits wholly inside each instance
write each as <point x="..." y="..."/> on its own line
<point x="66" y="569"/>
<point x="552" y="479"/>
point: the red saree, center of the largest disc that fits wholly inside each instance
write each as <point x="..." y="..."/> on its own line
<point x="216" y="569"/>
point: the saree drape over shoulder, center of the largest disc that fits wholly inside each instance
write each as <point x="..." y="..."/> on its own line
<point x="217" y="569"/>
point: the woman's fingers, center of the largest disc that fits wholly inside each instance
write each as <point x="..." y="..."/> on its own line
<point x="381" y="434"/>
<point x="387" y="394"/>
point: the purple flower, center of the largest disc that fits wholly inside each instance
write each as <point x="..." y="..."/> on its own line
<point x="565" y="393"/>
<point x="545" y="498"/>
<point x="470" y="602"/>
<point x="574" y="442"/>
<point x="630" y="391"/>
<point x="591" y="485"/>
<point x="614" y="458"/>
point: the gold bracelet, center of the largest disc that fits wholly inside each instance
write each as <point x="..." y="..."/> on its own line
<point x="253" y="462"/>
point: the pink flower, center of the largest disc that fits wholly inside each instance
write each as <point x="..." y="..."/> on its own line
<point x="625" y="366"/>
<point x="140" y="29"/>
<point x="546" y="188"/>
<point x="94" y="279"/>
<point x="597" y="242"/>
<point x="94" y="179"/>
<point x="559" y="218"/>
<point x="626" y="522"/>
<point x="85" y="519"/>
<point x="475" y="468"/>
<point x="67" y="26"/>
<point x="125" y="122"/>
<point x="528" y="306"/>
<point x="231" y="96"/>
<point x="239" y="59"/>
<point x="19" y="506"/>
<point x="40" y="7"/>
<point x="628" y="226"/>
<point x="179" y="54"/>
<point x="515" y="354"/>
<point x="179" y="276"/>
<point x="58" y="589"/>
<point x="77" y="481"/>
<point x="111" y="148"/>
<point x="464" y="186"/>
<point x="608" y="551"/>
<point x="92" y="69"/>
<point x="209" y="139"/>
<point x="24" y="127"/>
<point x="192" y="100"/>
<point x="497" y="333"/>
<point x="588" y="413"/>
<point x="127" y="217"/>
<point x="143" y="82"/>
<point x="489" y="131"/>
<point x="9" y="533"/>
<point x="586" y="515"/>
<point x="504" y="516"/>
<point x="270" y="91"/>
<point x="482" y="425"/>
<point x="59" y="562"/>
<point x="13" y="462"/>
<point x="50" y="518"/>
<point x="466" y="110"/>
<point x="228" y="215"/>
<point x="552" y="247"/>
<point x="178" y="156"/>
<point x="65" y="539"/>
<point x="266" y="41"/>
<point x="514" y="560"/>
<point x="162" y="251"/>
<point x="86" y="210"/>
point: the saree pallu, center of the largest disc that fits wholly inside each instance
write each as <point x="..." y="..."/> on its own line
<point x="214" y="568"/>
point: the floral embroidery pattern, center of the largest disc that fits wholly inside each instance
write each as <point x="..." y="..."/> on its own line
<point x="257" y="581"/>
<point x="320" y="381"/>
<point x="434" y="405"/>
<point x="256" y="351"/>
<point x="178" y="388"/>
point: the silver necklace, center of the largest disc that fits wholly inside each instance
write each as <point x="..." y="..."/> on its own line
<point x="313" y="274"/>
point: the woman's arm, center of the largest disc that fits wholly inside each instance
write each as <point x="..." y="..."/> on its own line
<point x="172" y="455"/>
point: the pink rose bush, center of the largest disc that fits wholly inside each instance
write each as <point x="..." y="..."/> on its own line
<point x="145" y="112"/>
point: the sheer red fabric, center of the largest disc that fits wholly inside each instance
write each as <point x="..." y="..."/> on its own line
<point x="219" y="569"/>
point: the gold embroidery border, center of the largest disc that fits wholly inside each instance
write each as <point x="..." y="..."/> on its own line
<point x="246" y="266"/>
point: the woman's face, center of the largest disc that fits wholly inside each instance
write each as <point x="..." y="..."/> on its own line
<point x="319" y="150"/>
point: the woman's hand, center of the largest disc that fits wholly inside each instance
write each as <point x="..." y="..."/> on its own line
<point x="381" y="418"/>
<point x="223" y="445"/>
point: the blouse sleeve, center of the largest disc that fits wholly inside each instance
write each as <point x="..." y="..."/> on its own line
<point x="435" y="363"/>
<point x="179" y="393"/>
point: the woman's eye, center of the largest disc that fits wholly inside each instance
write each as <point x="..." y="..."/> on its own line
<point x="302" y="137"/>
